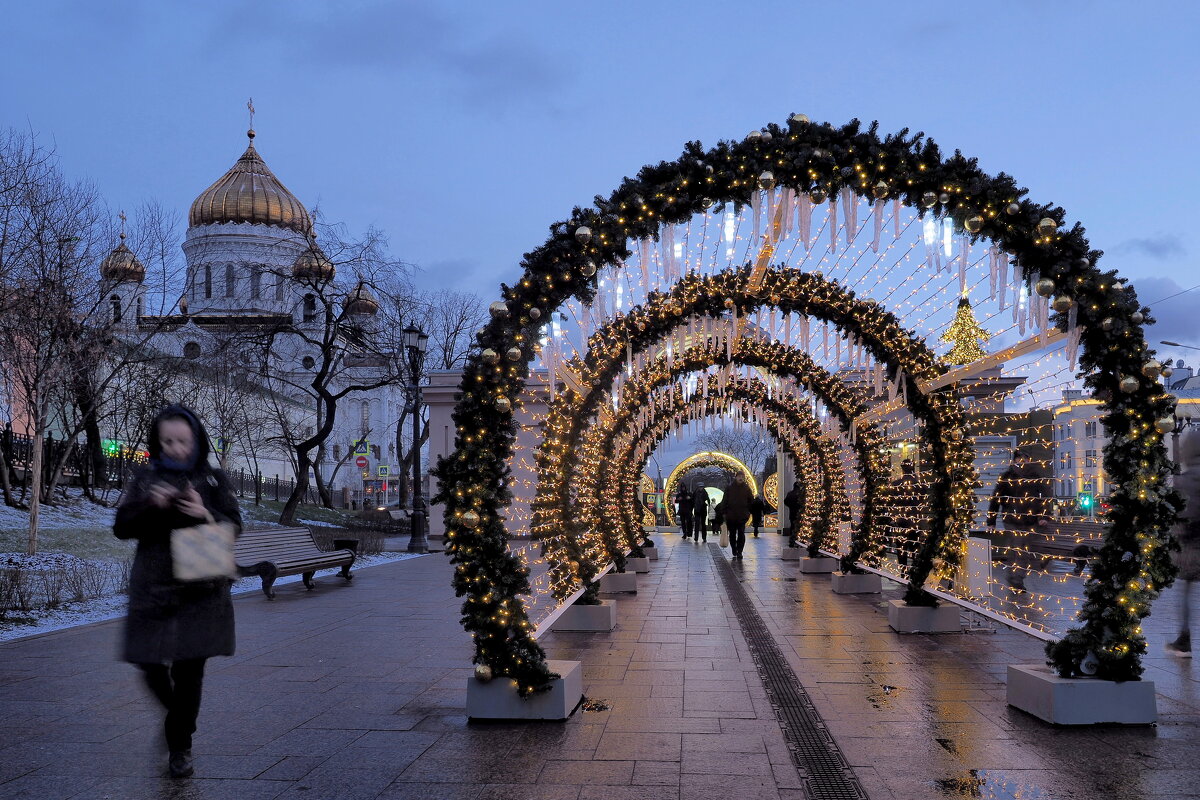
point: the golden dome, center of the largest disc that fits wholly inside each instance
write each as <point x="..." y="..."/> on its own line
<point x="312" y="264"/>
<point x="361" y="301"/>
<point x="122" y="265"/>
<point x="250" y="192"/>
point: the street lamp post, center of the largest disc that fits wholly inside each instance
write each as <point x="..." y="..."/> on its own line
<point x="415" y="342"/>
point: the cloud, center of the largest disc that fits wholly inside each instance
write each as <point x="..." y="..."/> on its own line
<point x="1161" y="247"/>
<point x="1174" y="312"/>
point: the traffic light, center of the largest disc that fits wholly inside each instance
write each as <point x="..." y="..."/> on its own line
<point x="1085" y="501"/>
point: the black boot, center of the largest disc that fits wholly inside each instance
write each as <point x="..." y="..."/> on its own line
<point x="180" y="764"/>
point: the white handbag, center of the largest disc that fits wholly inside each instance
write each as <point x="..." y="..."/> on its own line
<point x="203" y="552"/>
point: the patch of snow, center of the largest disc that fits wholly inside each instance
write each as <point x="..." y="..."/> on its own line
<point x="74" y="511"/>
<point x="113" y="606"/>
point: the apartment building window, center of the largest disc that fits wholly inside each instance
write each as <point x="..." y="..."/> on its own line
<point x="1089" y="429"/>
<point x="1089" y="459"/>
<point x="230" y="280"/>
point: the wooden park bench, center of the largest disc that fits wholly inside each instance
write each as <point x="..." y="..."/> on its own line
<point x="1072" y="540"/>
<point x="277" y="552"/>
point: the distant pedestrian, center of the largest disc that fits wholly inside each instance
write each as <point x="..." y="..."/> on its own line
<point x="683" y="509"/>
<point x="909" y="501"/>
<point x="174" y="627"/>
<point x="1022" y="499"/>
<point x="736" y="507"/>
<point x="758" y="507"/>
<point x="700" y="509"/>
<point x="794" y="501"/>
<point x="1187" y="533"/>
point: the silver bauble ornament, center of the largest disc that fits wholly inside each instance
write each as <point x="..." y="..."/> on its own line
<point x="1118" y="286"/>
<point x="767" y="136"/>
<point x="588" y="269"/>
<point x="1165" y="424"/>
<point x="483" y="673"/>
<point x="974" y="224"/>
<point x="1137" y="317"/>
<point x="880" y="190"/>
<point x="535" y="313"/>
<point x="489" y="356"/>
<point x="499" y="309"/>
<point x="1047" y="227"/>
<point x="1108" y="323"/>
<point x="818" y="195"/>
<point x="1151" y="368"/>
<point x="469" y="519"/>
<point x="1090" y="664"/>
<point x="943" y="198"/>
<point x="766" y="180"/>
<point x="514" y="354"/>
<point x="798" y="118"/>
<point x="503" y="404"/>
<point x="1167" y="371"/>
<point x="753" y="136"/>
<point x="1044" y="287"/>
<point x="583" y="234"/>
<point x="1128" y="384"/>
<point x="1012" y="209"/>
<point x="929" y="199"/>
<point x="1062" y="304"/>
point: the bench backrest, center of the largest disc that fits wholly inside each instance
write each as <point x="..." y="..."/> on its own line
<point x="262" y="545"/>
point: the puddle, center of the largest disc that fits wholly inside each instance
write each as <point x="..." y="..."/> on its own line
<point x="987" y="784"/>
<point x="595" y="704"/>
<point x="948" y="745"/>
<point x="884" y="696"/>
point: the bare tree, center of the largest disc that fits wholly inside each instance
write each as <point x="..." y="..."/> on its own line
<point x="750" y="445"/>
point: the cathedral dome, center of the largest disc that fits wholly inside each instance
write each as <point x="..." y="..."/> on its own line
<point x="122" y="265"/>
<point x="250" y="192"/>
<point x="313" y="264"/>
<point x="361" y="301"/>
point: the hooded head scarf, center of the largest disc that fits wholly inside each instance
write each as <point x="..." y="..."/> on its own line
<point x="199" y="451"/>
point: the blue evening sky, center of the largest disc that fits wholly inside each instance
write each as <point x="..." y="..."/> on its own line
<point x="464" y="129"/>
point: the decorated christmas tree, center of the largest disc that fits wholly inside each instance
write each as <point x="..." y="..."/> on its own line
<point x="965" y="336"/>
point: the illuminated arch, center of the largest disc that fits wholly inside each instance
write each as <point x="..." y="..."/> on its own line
<point x="709" y="458"/>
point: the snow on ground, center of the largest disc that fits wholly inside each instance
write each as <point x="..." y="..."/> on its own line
<point x="75" y="511"/>
<point x="69" y="615"/>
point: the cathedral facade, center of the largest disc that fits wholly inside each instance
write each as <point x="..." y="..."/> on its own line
<point x="253" y="326"/>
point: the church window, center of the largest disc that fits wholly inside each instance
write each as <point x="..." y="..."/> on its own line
<point x="139" y="308"/>
<point x="310" y="308"/>
<point x="116" y="308"/>
<point x="279" y="287"/>
<point x="308" y="362"/>
<point x="365" y="423"/>
<point x="191" y="350"/>
<point x="230" y="280"/>
<point x="208" y="281"/>
<point x="255" y="281"/>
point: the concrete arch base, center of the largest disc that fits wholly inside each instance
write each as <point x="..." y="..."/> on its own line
<point x="1038" y="690"/>
<point x="498" y="698"/>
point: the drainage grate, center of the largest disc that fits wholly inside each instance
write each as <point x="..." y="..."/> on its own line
<point x="815" y="754"/>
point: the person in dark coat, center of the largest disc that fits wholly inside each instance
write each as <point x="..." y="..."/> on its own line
<point x="758" y="507"/>
<point x="1187" y="533"/>
<point x="700" y="513"/>
<point x="1022" y="499"/>
<point x="794" y="501"/>
<point x="174" y="627"/>
<point x="909" y="501"/>
<point x="736" y="507"/>
<point x="683" y="508"/>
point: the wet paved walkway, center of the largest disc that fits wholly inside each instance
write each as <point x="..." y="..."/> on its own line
<point x="358" y="692"/>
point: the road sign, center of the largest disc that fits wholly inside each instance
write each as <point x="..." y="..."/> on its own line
<point x="361" y="447"/>
<point x="361" y="462"/>
<point x="383" y="470"/>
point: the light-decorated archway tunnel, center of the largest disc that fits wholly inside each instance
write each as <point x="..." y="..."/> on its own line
<point x="814" y="162"/>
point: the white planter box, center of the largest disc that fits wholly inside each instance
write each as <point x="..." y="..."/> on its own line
<point x="619" y="582"/>
<point x="1037" y="690"/>
<point x="818" y="566"/>
<point x="637" y="564"/>
<point x="651" y="553"/>
<point x="498" y="698"/>
<point x="867" y="583"/>
<point x="923" y="619"/>
<point x="587" y="618"/>
<point x="791" y="553"/>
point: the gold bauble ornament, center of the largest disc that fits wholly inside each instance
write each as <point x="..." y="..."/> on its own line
<point x="729" y="302"/>
<point x="767" y="136"/>
<point x="798" y="118"/>
<point x="1047" y="227"/>
<point x="514" y="354"/>
<point x="818" y="195"/>
<point x="1062" y="304"/>
<point x="503" y="404"/>
<point x="489" y="356"/>
<point x="1151" y="368"/>
<point x="1165" y="424"/>
<point x="1044" y="287"/>
<point x="588" y="268"/>
<point x="929" y="199"/>
<point x="766" y="180"/>
<point x="1167" y="371"/>
<point x="1012" y="209"/>
<point x="880" y="190"/>
<point x="753" y="136"/>
<point x="483" y="673"/>
<point x="1108" y="323"/>
<point x="974" y="224"/>
<point x="499" y="309"/>
<point x="469" y="519"/>
<point x="583" y="234"/>
<point x="574" y="566"/>
<point x="1128" y="384"/>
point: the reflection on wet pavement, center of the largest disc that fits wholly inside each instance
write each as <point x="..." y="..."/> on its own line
<point x="989" y="785"/>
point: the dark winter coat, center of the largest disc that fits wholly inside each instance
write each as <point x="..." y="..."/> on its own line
<point x="758" y="507"/>
<point x="700" y="504"/>
<point x="736" y="503"/>
<point x="168" y="620"/>
<point x="795" y="501"/>
<point x="1023" y="497"/>
<point x="683" y="505"/>
<point x="1187" y="530"/>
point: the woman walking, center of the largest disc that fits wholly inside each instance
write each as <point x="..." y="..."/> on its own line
<point x="1187" y="533"/>
<point x="173" y="627"/>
